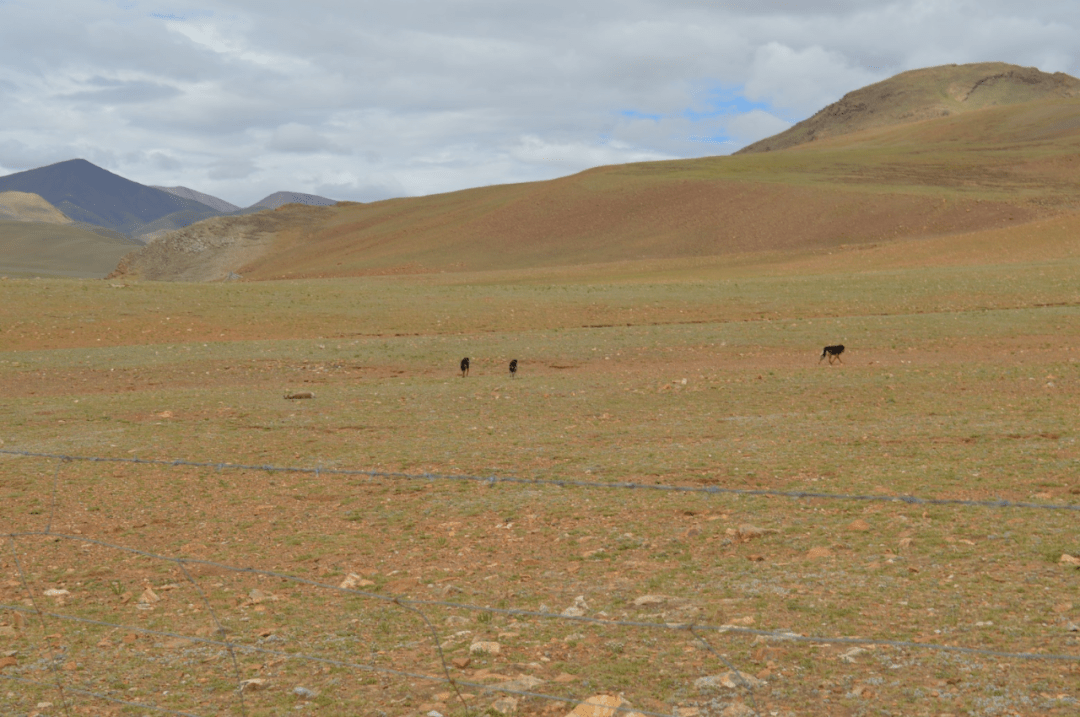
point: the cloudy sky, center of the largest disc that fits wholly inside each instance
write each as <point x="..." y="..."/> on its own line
<point x="364" y="100"/>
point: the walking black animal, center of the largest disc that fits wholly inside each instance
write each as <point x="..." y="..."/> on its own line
<point x="464" y="367"/>
<point x="833" y="352"/>
<point x="513" y="368"/>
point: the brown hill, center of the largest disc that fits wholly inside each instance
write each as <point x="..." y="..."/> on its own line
<point x="28" y="207"/>
<point x="923" y="94"/>
<point x="984" y="169"/>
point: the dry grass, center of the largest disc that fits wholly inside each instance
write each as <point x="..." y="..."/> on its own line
<point x="960" y="382"/>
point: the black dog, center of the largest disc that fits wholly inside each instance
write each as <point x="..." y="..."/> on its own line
<point x="833" y="352"/>
<point x="513" y="368"/>
<point x="464" y="367"/>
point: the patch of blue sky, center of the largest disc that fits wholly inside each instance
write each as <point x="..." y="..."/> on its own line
<point x="719" y="101"/>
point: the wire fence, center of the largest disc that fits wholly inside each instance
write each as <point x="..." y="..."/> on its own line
<point x="430" y="665"/>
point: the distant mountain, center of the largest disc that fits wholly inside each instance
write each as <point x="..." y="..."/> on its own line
<point x="278" y="199"/>
<point x="88" y="193"/>
<point x="211" y="201"/>
<point x="924" y="94"/>
<point x="27" y="207"/>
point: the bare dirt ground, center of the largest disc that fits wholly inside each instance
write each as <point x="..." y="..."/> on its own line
<point x="131" y="587"/>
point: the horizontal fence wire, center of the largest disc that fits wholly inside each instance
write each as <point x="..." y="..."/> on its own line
<point x="416" y="605"/>
<point x="558" y="482"/>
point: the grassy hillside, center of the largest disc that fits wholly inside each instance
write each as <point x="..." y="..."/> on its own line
<point x="988" y="169"/>
<point x="28" y="207"/>
<point x="41" y="249"/>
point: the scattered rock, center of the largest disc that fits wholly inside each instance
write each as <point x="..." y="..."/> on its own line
<point x="818" y="552"/>
<point x="1072" y="627"/>
<point x="602" y="706"/>
<point x="730" y="679"/>
<point x="505" y="705"/>
<point x="564" y="677"/>
<point x="578" y="609"/>
<point x="253" y="684"/>
<point x="485" y="648"/>
<point x="687" y="711"/>
<point x="650" y="600"/>
<point x="461" y="662"/>
<point x="353" y="581"/>
<point x="148" y="596"/>
<point x="1067" y="559"/>
<point x="521" y="683"/>
<point x="749" y="532"/>
<point x="56" y="593"/>
<point x="299" y="394"/>
<point x="849" y="656"/>
<point x="858" y="526"/>
<point x="738" y="709"/>
<point x="305" y="693"/>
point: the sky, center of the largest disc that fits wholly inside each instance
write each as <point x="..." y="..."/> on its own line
<point x="358" y="100"/>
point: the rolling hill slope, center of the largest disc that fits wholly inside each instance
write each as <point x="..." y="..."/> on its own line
<point x="985" y="169"/>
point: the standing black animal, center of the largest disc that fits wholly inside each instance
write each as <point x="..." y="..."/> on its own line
<point x="464" y="367"/>
<point x="513" y="368"/>
<point x="833" y="352"/>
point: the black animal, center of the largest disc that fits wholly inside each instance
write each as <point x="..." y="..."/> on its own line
<point x="513" y="368"/>
<point x="833" y="352"/>
<point x="464" y="367"/>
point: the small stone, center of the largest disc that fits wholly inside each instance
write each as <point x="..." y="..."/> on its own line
<point x="687" y="711"/>
<point x="564" y="677"/>
<point x="253" y="684"/>
<point x="293" y="395"/>
<point x="749" y="532"/>
<point x="434" y="713"/>
<point x="850" y="655"/>
<point x="650" y="600"/>
<point x="858" y="526"/>
<point x="1067" y="559"/>
<point x="305" y="693"/>
<point x="578" y="609"/>
<point x="485" y="648"/>
<point x="738" y="709"/>
<point x="730" y="679"/>
<point x="521" y="683"/>
<point x="56" y="593"/>
<point x="505" y="705"/>
<point x="149" y="596"/>
<point x="353" y="581"/>
<point x="599" y="706"/>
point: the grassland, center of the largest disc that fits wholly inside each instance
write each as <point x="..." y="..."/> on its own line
<point x="960" y="382"/>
